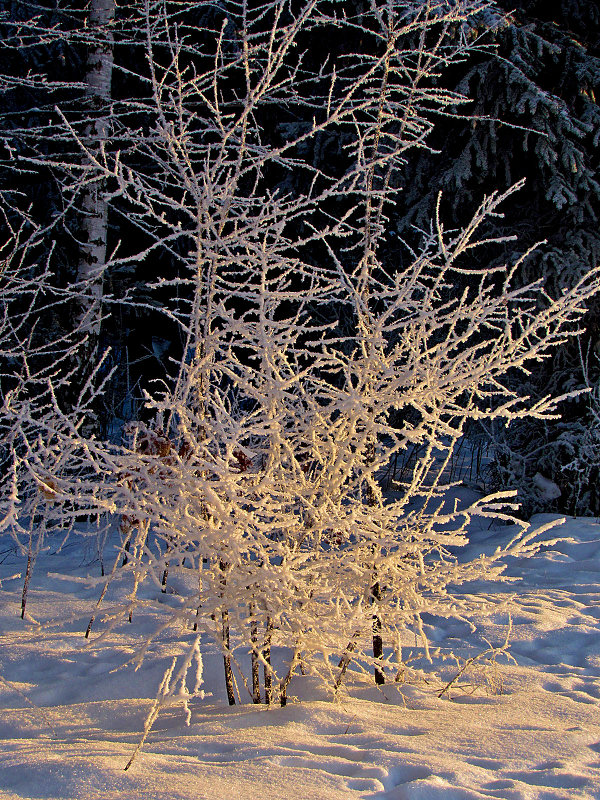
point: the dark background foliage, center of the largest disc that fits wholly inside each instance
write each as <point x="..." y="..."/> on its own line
<point x="533" y="83"/>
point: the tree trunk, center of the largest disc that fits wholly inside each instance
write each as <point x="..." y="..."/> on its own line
<point x="345" y="660"/>
<point x="267" y="658"/>
<point x="30" y="564"/>
<point x="286" y="681"/>
<point x="94" y="208"/>
<point x="254" y="657"/>
<point x="226" y="642"/>
<point x="375" y="589"/>
<point x="377" y="640"/>
<point x="227" y="659"/>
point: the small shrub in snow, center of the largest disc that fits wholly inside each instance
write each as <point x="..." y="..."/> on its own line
<point x="308" y="362"/>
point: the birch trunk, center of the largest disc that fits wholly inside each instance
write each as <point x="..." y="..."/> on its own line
<point x="94" y="227"/>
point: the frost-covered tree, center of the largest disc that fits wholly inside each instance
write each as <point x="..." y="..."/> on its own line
<point x="307" y="362"/>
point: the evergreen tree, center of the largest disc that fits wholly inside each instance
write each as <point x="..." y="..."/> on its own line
<point x="535" y="116"/>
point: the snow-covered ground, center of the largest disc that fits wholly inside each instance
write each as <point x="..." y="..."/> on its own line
<point x="71" y="714"/>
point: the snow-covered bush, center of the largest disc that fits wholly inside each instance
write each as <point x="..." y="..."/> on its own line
<point x="308" y="361"/>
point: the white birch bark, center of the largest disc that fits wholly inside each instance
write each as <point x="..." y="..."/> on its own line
<point x="94" y="205"/>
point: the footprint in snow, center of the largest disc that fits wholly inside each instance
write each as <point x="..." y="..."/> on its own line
<point x="581" y="692"/>
<point x="485" y="763"/>
<point x="360" y="776"/>
<point x="406" y="773"/>
<point x="550" y="778"/>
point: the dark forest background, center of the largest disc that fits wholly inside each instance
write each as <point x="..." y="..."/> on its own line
<point x="532" y="84"/>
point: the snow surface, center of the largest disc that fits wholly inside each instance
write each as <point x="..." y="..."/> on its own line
<point x="71" y="713"/>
